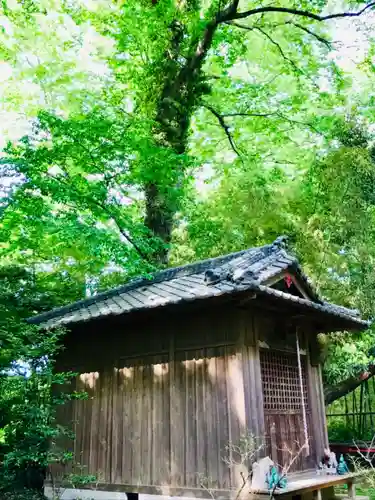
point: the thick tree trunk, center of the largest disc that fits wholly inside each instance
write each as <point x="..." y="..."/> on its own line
<point x="337" y="391"/>
<point x="172" y="118"/>
<point x="180" y="95"/>
<point x="159" y="220"/>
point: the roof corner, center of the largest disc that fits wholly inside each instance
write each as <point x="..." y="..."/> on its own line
<point x="281" y="243"/>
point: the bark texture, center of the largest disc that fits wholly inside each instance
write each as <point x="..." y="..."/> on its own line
<point x="337" y="391"/>
<point x="184" y="85"/>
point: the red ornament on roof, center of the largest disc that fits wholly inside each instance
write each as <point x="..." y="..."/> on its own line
<point x="288" y="280"/>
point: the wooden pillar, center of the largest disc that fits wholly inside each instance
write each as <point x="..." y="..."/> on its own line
<point x="132" y="496"/>
<point x="319" y="425"/>
<point x="317" y="494"/>
<point x="351" y="490"/>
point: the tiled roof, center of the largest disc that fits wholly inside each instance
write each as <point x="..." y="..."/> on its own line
<point x="246" y="270"/>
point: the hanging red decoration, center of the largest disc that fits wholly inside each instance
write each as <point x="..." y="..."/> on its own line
<point x="288" y="281"/>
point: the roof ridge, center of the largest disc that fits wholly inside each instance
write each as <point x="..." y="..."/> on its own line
<point x="159" y="276"/>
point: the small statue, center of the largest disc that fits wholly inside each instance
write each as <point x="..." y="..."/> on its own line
<point x="261" y="469"/>
<point x="320" y="469"/>
<point x="283" y="483"/>
<point x="275" y="480"/>
<point x="342" y="468"/>
<point x="330" y="461"/>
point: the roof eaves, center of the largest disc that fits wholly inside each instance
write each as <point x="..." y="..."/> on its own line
<point x="225" y="287"/>
<point x="230" y="273"/>
<point x="158" y="277"/>
<point x="212" y="291"/>
<point x="326" y="307"/>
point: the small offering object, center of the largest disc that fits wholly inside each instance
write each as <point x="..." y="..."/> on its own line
<point x="276" y="480"/>
<point x="260" y="472"/>
<point x="329" y="463"/>
<point x="342" y="468"/>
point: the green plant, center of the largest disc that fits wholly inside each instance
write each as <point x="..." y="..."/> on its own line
<point x="80" y="477"/>
<point x="31" y="390"/>
<point x="25" y="494"/>
<point x="339" y="430"/>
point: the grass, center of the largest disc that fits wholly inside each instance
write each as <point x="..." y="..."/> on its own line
<point x="361" y="490"/>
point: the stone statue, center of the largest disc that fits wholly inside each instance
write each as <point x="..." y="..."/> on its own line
<point x="330" y="462"/>
<point x="260" y="470"/>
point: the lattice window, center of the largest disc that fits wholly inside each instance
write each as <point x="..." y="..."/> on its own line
<point x="280" y="382"/>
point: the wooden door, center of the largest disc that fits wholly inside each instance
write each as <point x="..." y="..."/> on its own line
<point x="283" y="415"/>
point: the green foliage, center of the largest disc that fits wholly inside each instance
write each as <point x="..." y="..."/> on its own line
<point x="327" y="211"/>
<point x="245" y="210"/>
<point x="28" y="405"/>
<point x="25" y="494"/>
<point x="122" y="99"/>
<point x="339" y="431"/>
<point x="80" y="480"/>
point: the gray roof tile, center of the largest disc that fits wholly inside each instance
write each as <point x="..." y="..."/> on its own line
<point x="168" y="288"/>
<point x="121" y="301"/>
<point x="245" y="270"/>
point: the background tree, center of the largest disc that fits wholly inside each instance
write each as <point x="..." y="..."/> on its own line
<point x="174" y="130"/>
<point x="30" y="439"/>
<point x="171" y="59"/>
<point x="327" y="210"/>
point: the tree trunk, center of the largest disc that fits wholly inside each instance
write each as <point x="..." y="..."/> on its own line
<point x="159" y="220"/>
<point x="180" y="95"/>
<point x="173" y="119"/>
<point x="337" y="391"/>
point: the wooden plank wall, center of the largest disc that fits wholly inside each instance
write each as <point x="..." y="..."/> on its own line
<point x="166" y="397"/>
<point x="283" y="410"/>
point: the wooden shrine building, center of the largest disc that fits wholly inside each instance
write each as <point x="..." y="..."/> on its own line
<point x="180" y="367"/>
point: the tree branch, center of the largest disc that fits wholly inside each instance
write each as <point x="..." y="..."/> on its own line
<point x="369" y="457"/>
<point x="242" y="26"/>
<point x="203" y="44"/>
<point x="278" y="46"/>
<point x="320" y="39"/>
<point x="263" y="115"/>
<point x="193" y="63"/>
<point x="337" y="391"/>
<point x="301" y="13"/>
<point x="226" y="14"/>
<point x="286" y="468"/>
<point x="225" y="127"/>
<point x="101" y="205"/>
<point x="298" y="122"/>
<point x="275" y="113"/>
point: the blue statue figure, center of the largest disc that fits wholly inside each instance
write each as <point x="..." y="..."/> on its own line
<point x="342" y="467"/>
<point x="275" y="480"/>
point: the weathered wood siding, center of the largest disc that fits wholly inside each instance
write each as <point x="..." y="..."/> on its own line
<point x="167" y="394"/>
<point x="284" y="425"/>
<point x="318" y="410"/>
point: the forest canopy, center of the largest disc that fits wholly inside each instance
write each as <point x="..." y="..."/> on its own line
<point x="147" y="133"/>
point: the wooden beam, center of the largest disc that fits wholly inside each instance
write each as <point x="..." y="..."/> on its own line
<point x="297" y="486"/>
